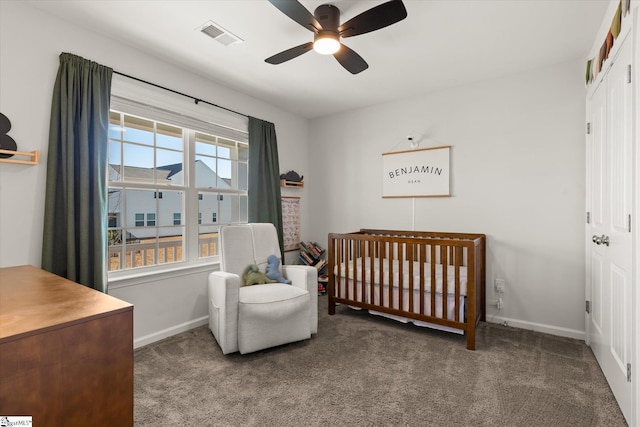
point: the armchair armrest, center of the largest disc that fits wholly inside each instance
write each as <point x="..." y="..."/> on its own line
<point x="224" y="291"/>
<point x="305" y="277"/>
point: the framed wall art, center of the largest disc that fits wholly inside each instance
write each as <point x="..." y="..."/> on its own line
<point x="291" y="222"/>
<point x="416" y="173"/>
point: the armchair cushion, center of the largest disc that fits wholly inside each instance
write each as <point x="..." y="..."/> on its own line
<point x="271" y="315"/>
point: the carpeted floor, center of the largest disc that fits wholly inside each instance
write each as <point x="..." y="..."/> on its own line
<point x="364" y="370"/>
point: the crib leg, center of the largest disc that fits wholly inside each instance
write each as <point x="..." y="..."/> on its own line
<point x="332" y="307"/>
<point x="471" y="339"/>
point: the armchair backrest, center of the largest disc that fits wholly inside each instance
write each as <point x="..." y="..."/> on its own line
<point x="244" y="244"/>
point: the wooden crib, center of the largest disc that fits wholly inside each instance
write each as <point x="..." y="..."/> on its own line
<point x="430" y="279"/>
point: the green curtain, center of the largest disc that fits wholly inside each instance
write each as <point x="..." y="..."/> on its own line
<point x="75" y="215"/>
<point x="265" y="204"/>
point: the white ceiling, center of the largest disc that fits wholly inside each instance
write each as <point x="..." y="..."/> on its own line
<point x="440" y="44"/>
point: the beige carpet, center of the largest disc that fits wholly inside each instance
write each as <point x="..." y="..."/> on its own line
<point x="363" y="370"/>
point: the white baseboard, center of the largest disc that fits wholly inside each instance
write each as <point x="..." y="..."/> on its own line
<point x="166" y="333"/>
<point x="538" y="327"/>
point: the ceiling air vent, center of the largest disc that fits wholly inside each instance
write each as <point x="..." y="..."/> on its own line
<point x="219" y="34"/>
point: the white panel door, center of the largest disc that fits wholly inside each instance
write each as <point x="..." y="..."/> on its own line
<point x="609" y="244"/>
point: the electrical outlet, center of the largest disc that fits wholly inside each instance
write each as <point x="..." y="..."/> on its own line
<point x="499" y="285"/>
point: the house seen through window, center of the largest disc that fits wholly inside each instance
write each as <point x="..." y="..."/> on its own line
<point x="170" y="188"/>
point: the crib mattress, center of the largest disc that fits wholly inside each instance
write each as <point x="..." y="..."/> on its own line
<point x="395" y="277"/>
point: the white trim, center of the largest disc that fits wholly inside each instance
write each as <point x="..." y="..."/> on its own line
<point x="142" y="275"/>
<point x="539" y="327"/>
<point x="166" y="333"/>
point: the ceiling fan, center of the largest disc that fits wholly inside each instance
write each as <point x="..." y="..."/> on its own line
<point x="325" y="24"/>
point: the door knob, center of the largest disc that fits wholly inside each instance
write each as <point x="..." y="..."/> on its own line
<point x="604" y="240"/>
<point x="597" y="240"/>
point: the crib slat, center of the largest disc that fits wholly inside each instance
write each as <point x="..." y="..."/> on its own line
<point x="400" y="251"/>
<point x="372" y="250"/>
<point x="390" y="263"/>
<point x="458" y="260"/>
<point x="445" y="287"/>
<point x="410" y="284"/>
<point x="433" y="280"/>
<point x="363" y="274"/>
<point x="423" y="256"/>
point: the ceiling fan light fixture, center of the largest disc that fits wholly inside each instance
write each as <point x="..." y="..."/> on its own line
<point x="326" y="43"/>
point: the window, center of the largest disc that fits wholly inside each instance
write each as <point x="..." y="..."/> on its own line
<point x="157" y="169"/>
<point x="151" y="220"/>
<point x="139" y="220"/>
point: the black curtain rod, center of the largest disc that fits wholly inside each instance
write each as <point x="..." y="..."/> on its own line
<point x="197" y="100"/>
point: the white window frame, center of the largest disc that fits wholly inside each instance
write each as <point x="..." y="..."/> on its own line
<point x="199" y="118"/>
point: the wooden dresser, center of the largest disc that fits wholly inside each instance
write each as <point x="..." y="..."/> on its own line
<point x="66" y="351"/>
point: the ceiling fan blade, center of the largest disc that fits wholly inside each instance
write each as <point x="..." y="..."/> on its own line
<point x="288" y="54"/>
<point x="350" y="60"/>
<point x="296" y="11"/>
<point x="373" y="19"/>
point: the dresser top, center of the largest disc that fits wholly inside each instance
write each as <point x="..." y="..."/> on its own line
<point x="33" y="300"/>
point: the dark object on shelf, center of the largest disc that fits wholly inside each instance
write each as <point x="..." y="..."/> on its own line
<point x="323" y="282"/>
<point x="292" y="176"/>
<point x="6" y="142"/>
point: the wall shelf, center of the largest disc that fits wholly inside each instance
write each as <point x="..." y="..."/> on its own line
<point x="32" y="158"/>
<point x="291" y="184"/>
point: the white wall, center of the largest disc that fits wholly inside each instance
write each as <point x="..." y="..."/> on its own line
<point x="517" y="159"/>
<point x="517" y="162"/>
<point x="30" y="44"/>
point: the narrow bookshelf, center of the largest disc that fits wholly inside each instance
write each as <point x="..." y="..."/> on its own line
<point x="312" y="254"/>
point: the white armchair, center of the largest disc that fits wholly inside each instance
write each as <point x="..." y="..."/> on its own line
<point x="252" y="318"/>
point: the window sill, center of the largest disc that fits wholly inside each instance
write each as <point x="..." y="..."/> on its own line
<point x="123" y="279"/>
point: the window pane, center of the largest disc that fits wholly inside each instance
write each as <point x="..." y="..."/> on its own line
<point x="205" y="144"/>
<point x="243" y="152"/>
<point x="205" y="172"/>
<point x="136" y="203"/>
<point x="224" y="152"/>
<point x="138" y="130"/>
<point x="243" y="176"/>
<point x="229" y="209"/>
<point x="224" y="174"/>
<point x="170" y="166"/>
<point x="151" y="220"/>
<point x="207" y="241"/>
<point x="115" y="129"/>
<point x="172" y="203"/>
<point x="170" y="244"/>
<point x="207" y="205"/>
<point x="114" y="202"/>
<point x="114" y="153"/>
<point x="169" y="137"/>
<point x="244" y="209"/>
<point x="177" y="218"/>
<point x="140" y="157"/>
<point x="114" y="255"/>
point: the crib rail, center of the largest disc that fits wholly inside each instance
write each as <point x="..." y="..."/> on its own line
<point x="433" y="277"/>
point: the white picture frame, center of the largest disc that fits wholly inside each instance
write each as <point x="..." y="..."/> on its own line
<point x="417" y="173"/>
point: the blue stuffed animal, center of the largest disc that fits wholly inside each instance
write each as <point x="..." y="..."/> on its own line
<point x="273" y="270"/>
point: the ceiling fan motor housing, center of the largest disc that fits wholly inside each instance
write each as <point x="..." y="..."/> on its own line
<point x="328" y="16"/>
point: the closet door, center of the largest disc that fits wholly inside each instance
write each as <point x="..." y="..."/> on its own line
<point x="609" y="246"/>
